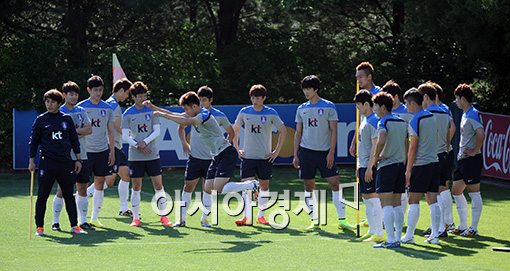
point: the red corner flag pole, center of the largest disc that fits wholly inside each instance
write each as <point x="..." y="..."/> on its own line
<point x="358" y="222"/>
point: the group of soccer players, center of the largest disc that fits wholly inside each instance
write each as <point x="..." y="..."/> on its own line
<point x="404" y="151"/>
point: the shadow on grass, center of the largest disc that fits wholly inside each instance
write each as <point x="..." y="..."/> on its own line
<point x="236" y="246"/>
<point x="93" y="238"/>
<point x="225" y="232"/>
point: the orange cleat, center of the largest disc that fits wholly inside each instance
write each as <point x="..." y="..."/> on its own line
<point x="243" y="222"/>
<point x="166" y="222"/>
<point x="262" y="220"/>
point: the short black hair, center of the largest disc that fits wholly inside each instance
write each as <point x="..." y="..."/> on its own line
<point x="205" y="91"/>
<point x="70" y="86"/>
<point x="55" y="95"/>
<point x="123" y="83"/>
<point x="413" y="94"/>
<point x="258" y="91"/>
<point x="365" y="66"/>
<point x="311" y="81"/>
<point x="138" y="88"/>
<point x="439" y="90"/>
<point x="392" y="88"/>
<point x="383" y="99"/>
<point x="189" y="98"/>
<point x="466" y="91"/>
<point x="364" y="96"/>
<point x="428" y="89"/>
<point x="95" y="81"/>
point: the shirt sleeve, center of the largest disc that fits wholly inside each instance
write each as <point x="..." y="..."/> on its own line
<point x="239" y="119"/>
<point x="475" y="121"/>
<point x="413" y="128"/>
<point x="35" y="138"/>
<point x="73" y="135"/>
<point x="125" y="122"/>
<point x="277" y="121"/>
<point x="332" y="114"/>
<point x="298" y="116"/>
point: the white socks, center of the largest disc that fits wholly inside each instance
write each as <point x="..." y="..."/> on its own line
<point x="161" y="198"/>
<point x="462" y="209"/>
<point x="389" y="220"/>
<point x="447" y="205"/>
<point x="82" y="206"/>
<point x="369" y="214"/>
<point x="340" y="207"/>
<point x="398" y="212"/>
<point x="248" y="213"/>
<point x="186" y="201"/>
<point x="58" y="204"/>
<point x="403" y="202"/>
<point x="97" y="203"/>
<point x="135" y="203"/>
<point x="311" y="201"/>
<point x="91" y="189"/>
<point x="476" y="208"/>
<point x="123" y="195"/>
<point x="262" y="200"/>
<point x="435" y="214"/>
<point x="442" y="227"/>
<point x="412" y="219"/>
<point x="377" y="215"/>
<point x="206" y="201"/>
<point x="237" y="186"/>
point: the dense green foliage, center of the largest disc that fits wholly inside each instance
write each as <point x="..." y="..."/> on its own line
<point x="176" y="46"/>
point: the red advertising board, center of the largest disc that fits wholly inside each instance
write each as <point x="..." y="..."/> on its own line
<point x="496" y="146"/>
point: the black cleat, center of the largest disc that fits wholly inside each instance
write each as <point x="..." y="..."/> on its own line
<point x="427" y="232"/>
<point x="56" y="227"/>
<point x="86" y="226"/>
<point x="444" y="234"/>
<point x="127" y="213"/>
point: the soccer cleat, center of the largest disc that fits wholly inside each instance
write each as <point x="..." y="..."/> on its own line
<point x="375" y="239"/>
<point x="86" y="226"/>
<point x="204" y="223"/>
<point x="407" y="240"/>
<point x="469" y="232"/>
<point x="77" y="230"/>
<point x="182" y="224"/>
<point x="450" y="226"/>
<point x="427" y="232"/>
<point x="55" y="227"/>
<point x="444" y="234"/>
<point x="364" y="223"/>
<point x="344" y="225"/>
<point x="432" y="240"/>
<point x="387" y="245"/>
<point x="262" y="220"/>
<point x="96" y="223"/>
<point x="165" y="221"/>
<point x="135" y="223"/>
<point x="457" y="231"/>
<point x="313" y="227"/>
<point x="128" y="213"/>
<point x="364" y="237"/>
<point x="39" y="231"/>
<point x="243" y="221"/>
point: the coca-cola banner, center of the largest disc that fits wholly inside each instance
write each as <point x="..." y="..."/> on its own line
<point x="496" y="146"/>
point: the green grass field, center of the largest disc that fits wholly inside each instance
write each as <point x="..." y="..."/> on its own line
<point x="227" y="246"/>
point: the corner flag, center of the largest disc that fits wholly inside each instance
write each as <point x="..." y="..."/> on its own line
<point x="117" y="71"/>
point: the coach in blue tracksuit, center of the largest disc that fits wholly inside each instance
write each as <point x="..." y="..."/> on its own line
<point x="54" y="132"/>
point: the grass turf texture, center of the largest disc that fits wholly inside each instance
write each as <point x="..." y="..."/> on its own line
<point x="227" y="246"/>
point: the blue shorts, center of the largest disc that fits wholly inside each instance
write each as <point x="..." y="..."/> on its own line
<point x="98" y="163"/>
<point x="469" y="169"/>
<point x="137" y="169"/>
<point x="445" y="172"/>
<point x="196" y="168"/>
<point x="366" y="188"/>
<point x="311" y="160"/>
<point x="425" y="178"/>
<point x="120" y="160"/>
<point x="260" y="168"/>
<point x="391" y="179"/>
<point x="223" y="165"/>
<point x="84" y="175"/>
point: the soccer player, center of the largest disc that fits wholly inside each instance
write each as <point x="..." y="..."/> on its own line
<point x="141" y="128"/>
<point x="400" y="110"/>
<point x="100" y="144"/>
<point x="429" y="92"/>
<point x="224" y="154"/>
<point x="470" y="162"/>
<point x="81" y="121"/>
<point x="199" y="157"/>
<point x="257" y="155"/>
<point x="314" y="148"/>
<point x="422" y="170"/>
<point x="367" y="140"/>
<point x="445" y="197"/>
<point x="120" y="94"/>
<point x="390" y="177"/>
<point x="55" y="133"/>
